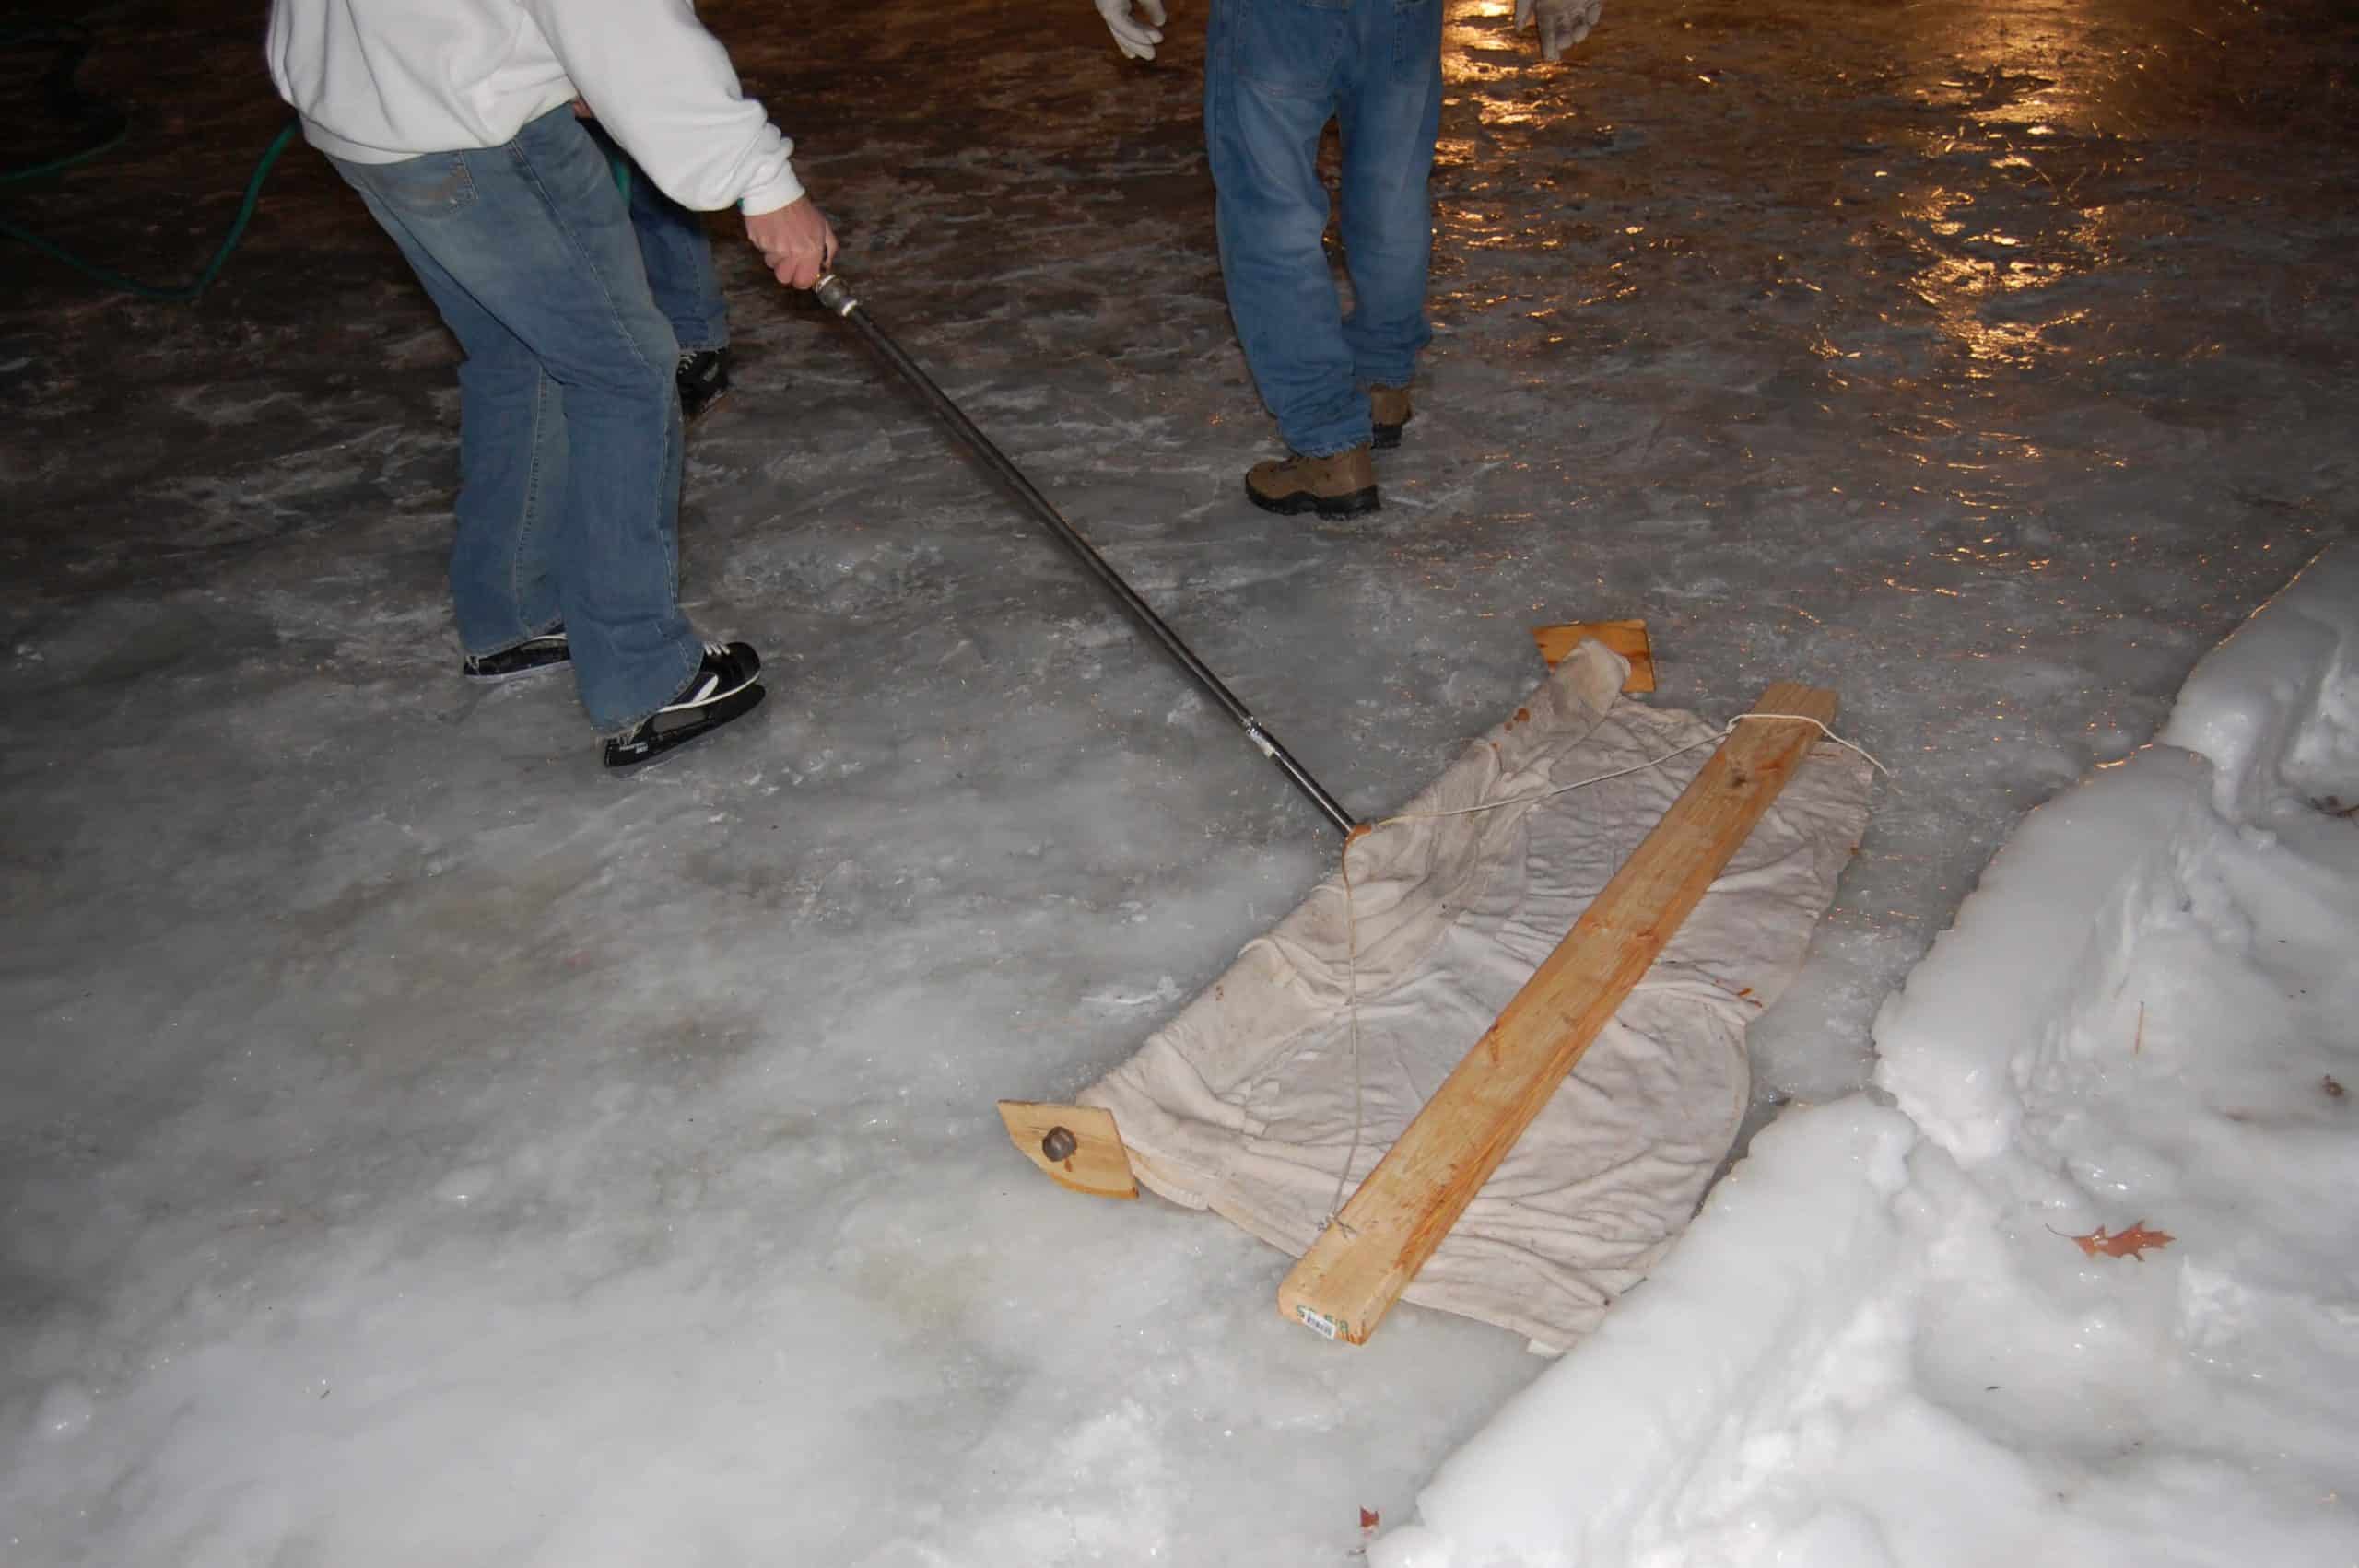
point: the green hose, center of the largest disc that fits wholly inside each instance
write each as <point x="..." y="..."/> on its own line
<point x="180" y="294"/>
<point x="35" y="170"/>
<point x="73" y="44"/>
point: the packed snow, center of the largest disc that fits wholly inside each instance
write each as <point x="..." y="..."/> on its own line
<point x="1881" y="1346"/>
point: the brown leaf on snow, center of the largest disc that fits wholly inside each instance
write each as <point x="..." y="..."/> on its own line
<point x="1367" y="1520"/>
<point x="2131" y="1243"/>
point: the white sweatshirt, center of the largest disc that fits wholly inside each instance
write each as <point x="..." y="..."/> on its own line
<point x="376" y="81"/>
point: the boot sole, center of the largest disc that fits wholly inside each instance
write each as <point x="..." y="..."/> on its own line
<point x="1384" y="438"/>
<point x="1296" y="503"/>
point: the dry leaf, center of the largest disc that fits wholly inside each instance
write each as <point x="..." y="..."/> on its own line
<point x="1367" y="1520"/>
<point x="2131" y="1243"/>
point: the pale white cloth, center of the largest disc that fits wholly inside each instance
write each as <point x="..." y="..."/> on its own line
<point x="1246" y="1102"/>
<point x="378" y="81"/>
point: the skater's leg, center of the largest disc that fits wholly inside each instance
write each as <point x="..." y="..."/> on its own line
<point x="1391" y="109"/>
<point x="1270" y="88"/>
<point x="511" y="467"/>
<point x="677" y="255"/>
<point x="537" y="235"/>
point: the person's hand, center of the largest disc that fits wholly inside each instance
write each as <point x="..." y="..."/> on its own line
<point x="1134" y="38"/>
<point x="582" y="110"/>
<point x="1562" y="23"/>
<point x="796" y="242"/>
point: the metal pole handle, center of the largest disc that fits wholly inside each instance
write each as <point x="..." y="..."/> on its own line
<point x="836" y="294"/>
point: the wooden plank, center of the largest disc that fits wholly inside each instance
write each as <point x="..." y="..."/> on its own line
<point x="1360" y="1264"/>
<point x="1628" y="638"/>
<point x="1077" y="1145"/>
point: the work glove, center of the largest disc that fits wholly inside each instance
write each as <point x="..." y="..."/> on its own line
<point x="1562" y="23"/>
<point x="1135" y="38"/>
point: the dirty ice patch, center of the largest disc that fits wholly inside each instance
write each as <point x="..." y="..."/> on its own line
<point x="1882" y="1346"/>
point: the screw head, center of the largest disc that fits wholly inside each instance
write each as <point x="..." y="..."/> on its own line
<point x="1059" y="1143"/>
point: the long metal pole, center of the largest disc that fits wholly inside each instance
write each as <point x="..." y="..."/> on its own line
<point x="838" y="297"/>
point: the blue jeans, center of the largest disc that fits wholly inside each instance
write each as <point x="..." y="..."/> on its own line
<point x="569" y="415"/>
<point x="1276" y="73"/>
<point x="677" y="255"/>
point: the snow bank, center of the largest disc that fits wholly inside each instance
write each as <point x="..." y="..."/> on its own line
<point x="2276" y="707"/>
<point x="1879" y="1344"/>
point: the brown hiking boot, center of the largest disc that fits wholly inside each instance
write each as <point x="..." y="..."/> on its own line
<point x="1388" y="409"/>
<point x="1343" y="484"/>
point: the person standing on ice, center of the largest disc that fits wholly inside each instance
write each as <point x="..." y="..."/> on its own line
<point x="453" y="120"/>
<point x="677" y="255"/>
<point x="1276" y="71"/>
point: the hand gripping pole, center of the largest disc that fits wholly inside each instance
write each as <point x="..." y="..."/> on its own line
<point x="838" y="297"/>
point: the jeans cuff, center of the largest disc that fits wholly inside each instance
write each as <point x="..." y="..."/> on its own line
<point x="1330" y="448"/>
<point x="503" y="648"/>
<point x="625" y="730"/>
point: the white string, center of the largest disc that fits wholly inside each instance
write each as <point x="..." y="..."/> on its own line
<point x="1352" y="995"/>
<point x="1722" y="733"/>
<point x="1730" y="729"/>
<point x="1351" y="913"/>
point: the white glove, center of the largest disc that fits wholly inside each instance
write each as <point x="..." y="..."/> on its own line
<point x="1132" y="37"/>
<point x="1562" y="23"/>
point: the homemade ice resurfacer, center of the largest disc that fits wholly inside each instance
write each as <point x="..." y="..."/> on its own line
<point x="1493" y="1061"/>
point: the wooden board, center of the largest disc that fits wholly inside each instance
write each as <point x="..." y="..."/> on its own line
<point x="1628" y="638"/>
<point x="1096" y="1164"/>
<point x="1361" y="1263"/>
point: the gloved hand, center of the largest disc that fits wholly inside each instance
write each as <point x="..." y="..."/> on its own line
<point x="1134" y="38"/>
<point x="1562" y="23"/>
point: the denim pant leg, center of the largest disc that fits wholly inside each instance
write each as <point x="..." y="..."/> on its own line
<point x="677" y="253"/>
<point x="1272" y="71"/>
<point x="678" y="257"/>
<point x="535" y="234"/>
<point x="1391" y="110"/>
<point x="512" y="464"/>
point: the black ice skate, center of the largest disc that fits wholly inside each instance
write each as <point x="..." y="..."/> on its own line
<point x="703" y="376"/>
<point x="727" y="686"/>
<point x="530" y="657"/>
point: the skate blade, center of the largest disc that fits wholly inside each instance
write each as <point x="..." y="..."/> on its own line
<point x="659" y="741"/>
